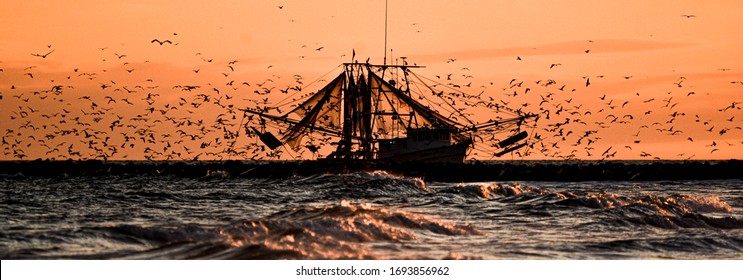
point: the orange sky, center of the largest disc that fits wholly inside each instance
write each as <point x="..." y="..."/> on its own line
<point x="645" y="54"/>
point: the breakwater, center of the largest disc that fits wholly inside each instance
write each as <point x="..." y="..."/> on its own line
<point x="444" y="172"/>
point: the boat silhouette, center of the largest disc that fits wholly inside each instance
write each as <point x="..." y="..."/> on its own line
<point x="373" y="113"/>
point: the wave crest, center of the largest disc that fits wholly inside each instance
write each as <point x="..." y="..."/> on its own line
<point x="515" y="191"/>
<point x="383" y="175"/>
<point x="664" y="211"/>
<point x="336" y="231"/>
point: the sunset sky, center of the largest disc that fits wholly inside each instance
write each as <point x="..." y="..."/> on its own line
<point x="81" y="79"/>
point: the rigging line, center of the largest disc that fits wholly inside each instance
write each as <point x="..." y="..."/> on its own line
<point x="485" y="153"/>
<point x="486" y="145"/>
<point x="460" y="91"/>
<point x="500" y="128"/>
<point x="487" y="149"/>
<point x="528" y="147"/>
<point x="406" y="77"/>
<point x="447" y="103"/>
<point x="432" y="104"/>
<point x="236" y="136"/>
<point x="280" y="103"/>
<point x="380" y="88"/>
<point x="288" y="151"/>
<point x="376" y="107"/>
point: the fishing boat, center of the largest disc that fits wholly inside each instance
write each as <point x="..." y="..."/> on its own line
<point x="387" y="112"/>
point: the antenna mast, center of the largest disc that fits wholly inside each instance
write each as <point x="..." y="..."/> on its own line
<point x="385" y="32"/>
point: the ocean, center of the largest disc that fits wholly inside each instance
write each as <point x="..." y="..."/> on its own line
<point x="365" y="215"/>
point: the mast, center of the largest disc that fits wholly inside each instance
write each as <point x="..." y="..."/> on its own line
<point x="385" y="32"/>
<point x="357" y="113"/>
<point x="349" y="89"/>
<point x="366" y="117"/>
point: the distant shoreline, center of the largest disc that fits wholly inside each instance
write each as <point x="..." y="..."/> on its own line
<point x="533" y="170"/>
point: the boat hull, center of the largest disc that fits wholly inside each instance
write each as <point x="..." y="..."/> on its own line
<point x="455" y="153"/>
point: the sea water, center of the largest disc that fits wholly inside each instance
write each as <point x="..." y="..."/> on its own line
<point x="365" y="215"/>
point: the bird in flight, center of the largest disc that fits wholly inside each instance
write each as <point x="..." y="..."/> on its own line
<point x="161" y="42"/>
<point x="688" y="16"/>
<point x="43" y="55"/>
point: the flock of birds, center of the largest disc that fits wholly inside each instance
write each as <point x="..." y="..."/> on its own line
<point x="576" y="123"/>
<point x="120" y="113"/>
<point x="91" y="115"/>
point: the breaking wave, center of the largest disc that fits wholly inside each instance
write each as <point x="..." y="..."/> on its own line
<point x="336" y="231"/>
<point x="361" y="185"/>
<point x="663" y="211"/>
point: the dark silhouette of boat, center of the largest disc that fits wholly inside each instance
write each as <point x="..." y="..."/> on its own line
<point x="372" y="113"/>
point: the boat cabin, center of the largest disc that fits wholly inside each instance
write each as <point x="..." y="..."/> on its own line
<point x="416" y="140"/>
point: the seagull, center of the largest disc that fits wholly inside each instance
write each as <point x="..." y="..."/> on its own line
<point x="43" y="55"/>
<point x="161" y="42"/>
<point x="688" y="16"/>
